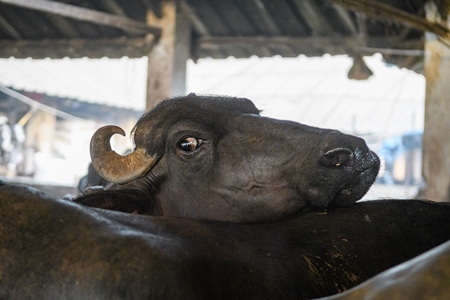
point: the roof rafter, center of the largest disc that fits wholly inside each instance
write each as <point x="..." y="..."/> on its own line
<point x="77" y="47"/>
<point x="85" y="14"/>
<point x="330" y="41"/>
<point x="333" y="45"/>
<point x="384" y="11"/>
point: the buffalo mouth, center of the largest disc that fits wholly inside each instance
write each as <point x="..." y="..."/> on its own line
<point x="358" y="181"/>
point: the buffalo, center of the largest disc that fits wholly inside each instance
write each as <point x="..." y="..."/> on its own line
<point x="426" y="276"/>
<point x="214" y="202"/>
<point x="57" y="249"/>
<point x="217" y="158"/>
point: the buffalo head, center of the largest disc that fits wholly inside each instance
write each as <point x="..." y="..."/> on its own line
<point x="217" y="158"/>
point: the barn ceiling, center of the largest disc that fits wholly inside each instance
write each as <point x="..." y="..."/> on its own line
<point x="239" y="28"/>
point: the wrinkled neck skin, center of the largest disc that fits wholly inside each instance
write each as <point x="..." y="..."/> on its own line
<point x="149" y="186"/>
<point x="257" y="175"/>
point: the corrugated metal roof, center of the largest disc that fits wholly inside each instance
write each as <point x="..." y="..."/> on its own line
<point x="219" y="29"/>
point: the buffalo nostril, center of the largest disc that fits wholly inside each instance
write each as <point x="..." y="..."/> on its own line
<point x="338" y="157"/>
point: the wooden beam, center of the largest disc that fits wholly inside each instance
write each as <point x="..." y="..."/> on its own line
<point x="387" y="12"/>
<point x="336" y="40"/>
<point x="139" y="47"/>
<point x="320" y="45"/>
<point x="436" y="142"/>
<point x="85" y="14"/>
<point x="75" y="48"/>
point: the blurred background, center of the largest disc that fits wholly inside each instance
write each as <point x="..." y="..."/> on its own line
<point x="47" y="141"/>
<point x="376" y="69"/>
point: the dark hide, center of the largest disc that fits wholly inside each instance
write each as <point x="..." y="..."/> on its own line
<point x="56" y="249"/>
<point x="245" y="167"/>
<point x="424" y="277"/>
<point x="91" y="179"/>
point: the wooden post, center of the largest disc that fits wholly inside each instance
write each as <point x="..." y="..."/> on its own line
<point x="167" y="60"/>
<point x="436" y="137"/>
<point x="182" y="52"/>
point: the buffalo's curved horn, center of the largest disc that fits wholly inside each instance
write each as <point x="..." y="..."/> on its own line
<point x="113" y="167"/>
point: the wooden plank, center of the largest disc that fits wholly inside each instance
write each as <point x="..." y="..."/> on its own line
<point x="85" y="14"/>
<point x="139" y="47"/>
<point x="436" y="142"/>
<point x="75" y="48"/>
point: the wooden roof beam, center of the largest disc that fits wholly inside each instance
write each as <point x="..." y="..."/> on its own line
<point x="321" y="42"/>
<point x="384" y="11"/>
<point x="88" y="15"/>
<point x="75" y="48"/>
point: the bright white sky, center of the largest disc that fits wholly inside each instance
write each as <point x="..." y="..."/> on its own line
<point x="315" y="91"/>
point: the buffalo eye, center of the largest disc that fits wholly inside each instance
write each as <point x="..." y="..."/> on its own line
<point x="189" y="144"/>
